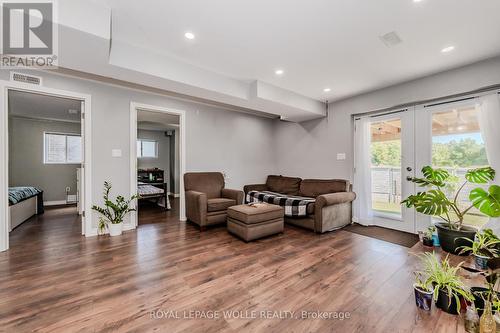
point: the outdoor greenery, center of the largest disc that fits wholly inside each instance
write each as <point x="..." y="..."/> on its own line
<point x="464" y="153"/>
<point x="435" y="202"/>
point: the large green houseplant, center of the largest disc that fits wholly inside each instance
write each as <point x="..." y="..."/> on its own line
<point x="113" y="213"/>
<point x="433" y="201"/>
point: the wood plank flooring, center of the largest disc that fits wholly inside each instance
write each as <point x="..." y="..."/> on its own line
<point x="54" y="280"/>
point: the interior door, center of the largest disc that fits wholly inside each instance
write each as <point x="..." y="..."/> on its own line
<point x="81" y="192"/>
<point x="389" y="162"/>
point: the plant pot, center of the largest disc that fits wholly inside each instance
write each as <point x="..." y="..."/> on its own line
<point x="115" y="229"/>
<point x="481" y="261"/>
<point x="427" y="242"/>
<point x="479" y="294"/>
<point x="446" y="303"/>
<point x="423" y="299"/>
<point x="451" y="240"/>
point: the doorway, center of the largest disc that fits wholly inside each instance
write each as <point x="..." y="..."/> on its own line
<point x="157" y="163"/>
<point x="384" y="159"/>
<point x="393" y="147"/>
<point x="57" y="142"/>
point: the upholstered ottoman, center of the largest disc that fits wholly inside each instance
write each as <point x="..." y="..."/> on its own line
<point x="254" y="221"/>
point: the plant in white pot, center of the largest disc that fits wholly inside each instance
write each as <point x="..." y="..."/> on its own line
<point x="113" y="213"/>
<point x="435" y="202"/>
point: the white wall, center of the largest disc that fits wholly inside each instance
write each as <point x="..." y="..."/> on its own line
<point x="309" y="149"/>
<point x="217" y="140"/>
<point x="26" y="166"/>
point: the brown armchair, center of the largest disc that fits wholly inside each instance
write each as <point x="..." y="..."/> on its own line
<point x="207" y="200"/>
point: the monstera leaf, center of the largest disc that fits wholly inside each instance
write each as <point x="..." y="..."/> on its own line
<point x="488" y="202"/>
<point x="435" y="175"/>
<point x="481" y="175"/>
<point x="427" y="182"/>
<point x="433" y="202"/>
<point x="413" y="200"/>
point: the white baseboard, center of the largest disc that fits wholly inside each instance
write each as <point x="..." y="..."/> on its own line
<point x="54" y="203"/>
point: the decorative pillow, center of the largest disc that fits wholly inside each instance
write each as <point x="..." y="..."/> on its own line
<point x="284" y="185"/>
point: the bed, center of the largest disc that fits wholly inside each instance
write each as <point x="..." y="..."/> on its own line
<point x="152" y="192"/>
<point x="24" y="202"/>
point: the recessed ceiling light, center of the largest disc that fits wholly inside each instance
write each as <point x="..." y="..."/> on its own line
<point x="189" y="35"/>
<point x="448" y="49"/>
<point x="417" y="0"/>
<point x="327" y="90"/>
<point x="279" y="72"/>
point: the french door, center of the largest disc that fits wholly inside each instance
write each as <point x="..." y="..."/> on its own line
<point x="392" y="148"/>
<point x="385" y="159"/>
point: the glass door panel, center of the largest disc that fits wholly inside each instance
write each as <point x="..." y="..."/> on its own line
<point x="457" y="146"/>
<point x="386" y="167"/>
<point x="382" y="170"/>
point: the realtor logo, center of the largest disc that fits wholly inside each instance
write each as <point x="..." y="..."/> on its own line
<point x="29" y="34"/>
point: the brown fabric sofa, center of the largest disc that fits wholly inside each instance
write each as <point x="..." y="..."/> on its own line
<point x="207" y="200"/>
<point x="332" y="208"/>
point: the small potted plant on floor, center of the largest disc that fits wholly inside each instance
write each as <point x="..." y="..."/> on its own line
<point x="427" y="237"/>
<point x="423" y="292"/>
<point x="113" y="213"/>
<point x="434" y="202"/>
<point x="449" y="288"/>
<point x="483" y="247"/>
<point x="492" y="280"/>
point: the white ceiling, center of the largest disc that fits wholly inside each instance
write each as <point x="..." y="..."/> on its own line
<point x="23" y="104"/>
<point x="319" y="43"/>
<point x="156" y="121"/>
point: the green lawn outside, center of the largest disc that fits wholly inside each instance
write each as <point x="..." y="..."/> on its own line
<point x="394" y="208"/>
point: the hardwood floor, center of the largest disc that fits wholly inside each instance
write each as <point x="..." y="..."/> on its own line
<point x="54" y="280"/>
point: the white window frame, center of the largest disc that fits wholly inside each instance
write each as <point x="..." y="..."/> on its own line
<point x="139" y="153"/>
<point x="45" y="161"/>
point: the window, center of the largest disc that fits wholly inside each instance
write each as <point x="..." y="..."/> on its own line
<point x="386" y="166"/>
<point x="62" y="148"/>
<point x="147" y="149"/>
<point x="457" y="146"/>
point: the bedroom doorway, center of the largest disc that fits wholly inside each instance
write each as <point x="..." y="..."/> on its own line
<point x="45" y="173"/>
<point x="157" y="164"/>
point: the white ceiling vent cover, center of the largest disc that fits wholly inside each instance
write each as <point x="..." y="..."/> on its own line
<point x="24" y="78"/>
<point x="391" y="39"/>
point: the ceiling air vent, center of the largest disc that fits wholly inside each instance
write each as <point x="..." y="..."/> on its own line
<point x="24" y="78"/>
<point x="391" y="39"/>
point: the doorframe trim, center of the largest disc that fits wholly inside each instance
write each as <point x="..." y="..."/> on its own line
<point x="134" y="108"/>
<point x="5" y="87"/>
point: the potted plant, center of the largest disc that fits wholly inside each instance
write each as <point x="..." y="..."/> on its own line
<point x="434" y="202"/>
<point x="483" y="247"/>
<point x="490" y="292"/>
<point x="113" y="213"/>
<point x="427" y="237"/>
<point x="449" y="290"/>
<point x="423" y="292"/>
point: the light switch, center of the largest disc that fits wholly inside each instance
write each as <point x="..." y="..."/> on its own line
<point x="340" y="156"/>
<point x="116" y="153"/>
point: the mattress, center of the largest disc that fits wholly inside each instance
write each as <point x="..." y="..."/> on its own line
<point x="21" y="193"/>
<point x="148" y="190"/>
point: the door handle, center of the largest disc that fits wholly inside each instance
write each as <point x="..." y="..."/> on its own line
<point x="409" y="169"/>
<point x="409" y="178"/>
